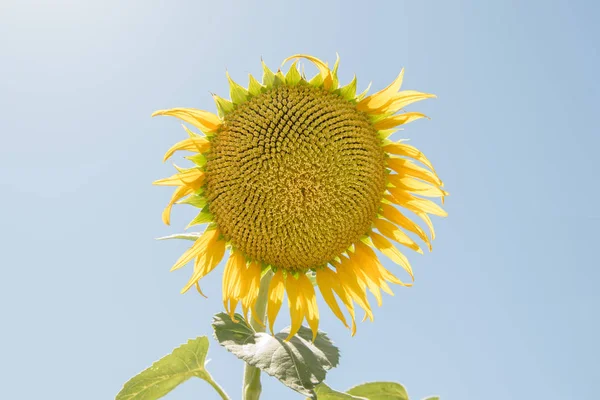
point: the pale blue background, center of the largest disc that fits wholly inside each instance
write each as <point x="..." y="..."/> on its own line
<point x="506" y="306"/>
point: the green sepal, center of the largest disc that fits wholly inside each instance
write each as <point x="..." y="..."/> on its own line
<point x="254" y="86"/>
<point x="238" y="93"/>
<point x="198" y="159"/>
<point x="279" y="79"/>
<point x="334" y="76"/>
<point x="185" y="236"/>
<point x="316" y="81"/>
<point x="265" y="269"/>
<point x="363" y="94"/>
<point x="374" y="118"/>
<point x="293" y="76"/>
<point x="196" y="200"/>
<point x="384" y="134"/>
<point x="348" y="92"/>
<point x="203" y="217"/>
<point x="268" y="78"/>
<point x="224" y="106"/>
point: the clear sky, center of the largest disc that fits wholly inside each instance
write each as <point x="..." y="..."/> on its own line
<point x="506" y="306"/>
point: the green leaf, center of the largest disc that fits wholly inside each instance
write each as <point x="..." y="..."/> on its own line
<point x="380" y="391"/>
<point x="187" y="236"/>
<point x="324" y="392"/>
<point x="170" y="371"/>
<point x="432" y="398"/>
<point x="299" y="364"/>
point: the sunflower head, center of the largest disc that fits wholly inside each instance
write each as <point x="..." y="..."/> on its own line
<point x="298" y="175"/>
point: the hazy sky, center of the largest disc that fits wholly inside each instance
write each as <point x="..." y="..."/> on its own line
<point x="506" y="306"/>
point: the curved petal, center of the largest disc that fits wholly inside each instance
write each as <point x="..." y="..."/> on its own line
<point x="199" y="247"/>
<point x="396" y="120"/>
<point x="387" y="248"/>
<point x="381" y="98"/>
<point x="276" y="290"/>
<point x="213" y="254"/>
<point x="391" y="231"/>
<point x="194" y="143"/>
<point x="296" y="303"/>
<point x="310" y="303"/>
<point x="395" y="216"/>
<point x="323" y="68"/>
<point x="403" y="149"/>
<point x="206" y="121"/>
<point x="403" y="99"/>
<point x="191" y="177"/>
<point x="179" y="193"/>
<point x="326" y="281"/>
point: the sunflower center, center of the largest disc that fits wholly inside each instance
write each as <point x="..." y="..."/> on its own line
<point x="295" y="176"/>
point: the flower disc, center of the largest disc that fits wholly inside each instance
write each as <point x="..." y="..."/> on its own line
<point x="295" y="175"/>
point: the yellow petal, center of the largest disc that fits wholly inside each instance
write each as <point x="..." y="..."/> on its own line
<point x="361" y="275"/>
<point x="230" y="276"/>
<point x="296" y="303"/>
<point x="351" y="285"/>
<point x="403" y="149"/>
<point x="195" y="143"/>
<point x="326" y="280"/>
<point x="205" y="121"/>
<point x="366" y="253"/>
<point x="276" y="290"/>
<point x="416" y="186"/>
<point x="391" y="231"/>
<point x="199" y="247"/>
<point x="191" y="177"/>
<point x="379" y="99"/>
<point x="252" y="275"/>
<point x="405" y="167"/>
<point x="212" y="256"/>
<point x="387" y="248"/>
<point x="395" y="216"/>
<point x="179" y="193"/>
<point x="403" y="99"/>
<point x="396" y="120"/>
<point x="307" y="292"/>
<point x="413" y="203"/>
<point x="323" y="68"/>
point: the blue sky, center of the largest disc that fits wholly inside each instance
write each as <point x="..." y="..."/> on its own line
<point x="502" y="309"/>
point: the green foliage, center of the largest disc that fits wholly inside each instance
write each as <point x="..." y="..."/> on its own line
<point x="366" y="391"/>
<point x="299" y="364"/>
<point x="170" y="371"/>
<point x="380" y="391"/>
<point x="324" y="392"/>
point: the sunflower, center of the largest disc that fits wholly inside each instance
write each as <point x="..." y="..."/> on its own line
<point x="298" y="179"/>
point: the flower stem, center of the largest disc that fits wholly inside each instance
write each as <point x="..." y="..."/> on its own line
<point x="252" y="387"/>
<point x="216" y="386"/>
